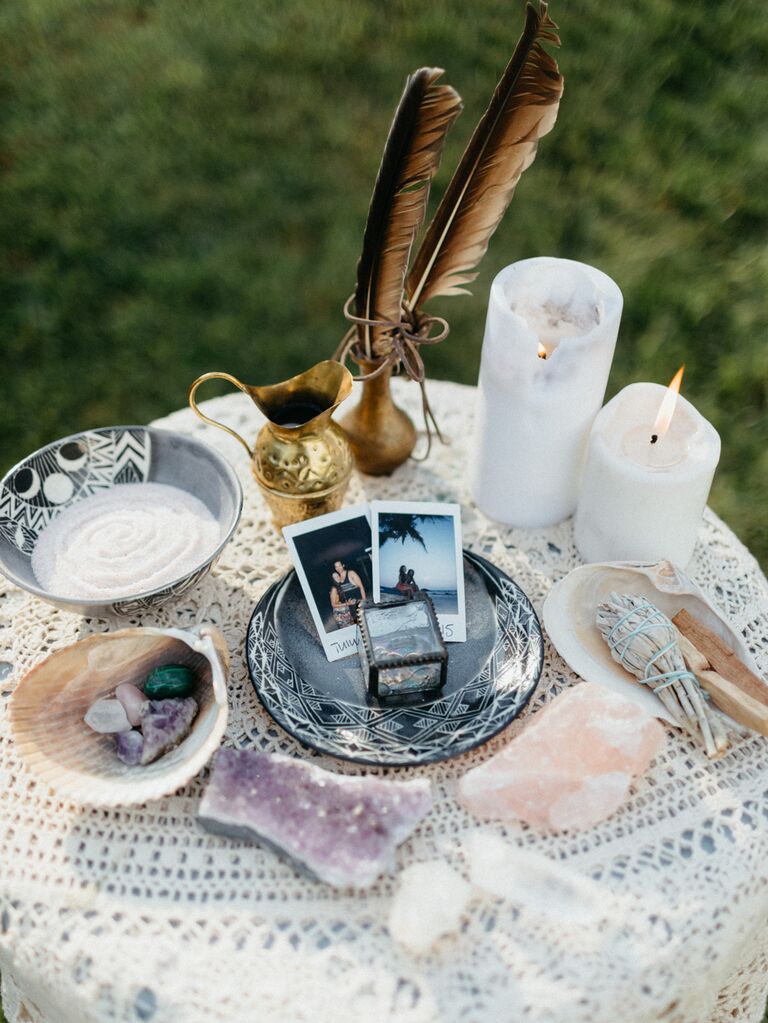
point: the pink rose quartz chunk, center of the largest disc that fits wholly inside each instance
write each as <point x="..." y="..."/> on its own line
<point x="571" y="767"/>
<point x="133" y="700"/>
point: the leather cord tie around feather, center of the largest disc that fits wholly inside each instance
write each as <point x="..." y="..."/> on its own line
<point x="400" y="344"/>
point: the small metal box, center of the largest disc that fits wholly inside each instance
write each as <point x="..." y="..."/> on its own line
<point x="401" y="649"/>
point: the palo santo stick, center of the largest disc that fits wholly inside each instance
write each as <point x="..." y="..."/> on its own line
<point x="720" y="657"/>
<point x="725" y="694"/>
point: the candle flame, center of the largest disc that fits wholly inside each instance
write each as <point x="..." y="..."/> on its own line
<point x="542" y="353"/>
<point x="667" y="407"/>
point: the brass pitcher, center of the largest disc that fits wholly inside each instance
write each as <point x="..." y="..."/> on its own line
<point x="301" y="459"/>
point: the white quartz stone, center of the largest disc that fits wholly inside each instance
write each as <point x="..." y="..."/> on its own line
<point x="430" y="902"/>
<point x="535" y="882"/>
<point x="107" y="716"/>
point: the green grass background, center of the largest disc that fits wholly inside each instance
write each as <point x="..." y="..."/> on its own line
<point x="183" y="187"/>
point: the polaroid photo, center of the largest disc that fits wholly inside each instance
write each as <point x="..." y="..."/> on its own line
<point x="332" y="558"/>
<point x="417" y="546"/>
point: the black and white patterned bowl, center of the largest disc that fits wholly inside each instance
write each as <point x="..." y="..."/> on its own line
<point x="57" y="476"/>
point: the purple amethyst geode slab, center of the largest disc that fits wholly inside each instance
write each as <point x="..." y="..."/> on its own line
<point x="340" y="829"/>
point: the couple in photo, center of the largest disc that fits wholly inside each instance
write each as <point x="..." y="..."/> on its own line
<point x="406" y="584"/>
<point x="345" y="594"/>
<point x="383" y="550"/>
<point x="347" y="590"/>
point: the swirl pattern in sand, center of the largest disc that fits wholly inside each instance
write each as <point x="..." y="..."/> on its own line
<point x="131" y="539"/>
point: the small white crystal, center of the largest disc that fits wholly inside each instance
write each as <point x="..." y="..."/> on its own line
<point x="107" y="716"/>
<point x="430" y="902"/>
<point x="534" y="881"/>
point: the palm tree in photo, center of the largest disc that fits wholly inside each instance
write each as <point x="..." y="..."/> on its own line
<point x="402" y="526"/>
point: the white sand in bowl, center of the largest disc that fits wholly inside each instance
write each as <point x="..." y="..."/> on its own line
<point x="125" y="541"/>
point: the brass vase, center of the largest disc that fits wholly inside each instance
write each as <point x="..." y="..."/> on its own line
<point x="382" y="436"/>
<point x="302" y="459"/>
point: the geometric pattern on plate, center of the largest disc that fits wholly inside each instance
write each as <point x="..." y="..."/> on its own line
<point x="404" y="735"/>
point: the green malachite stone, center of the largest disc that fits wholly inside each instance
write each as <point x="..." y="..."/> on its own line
<point x="169" y="680"/>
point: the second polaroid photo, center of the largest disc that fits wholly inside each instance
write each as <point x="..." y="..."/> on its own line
<point x="417" y="546"/>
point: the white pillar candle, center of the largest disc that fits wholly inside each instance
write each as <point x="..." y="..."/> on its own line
<point x="643" y="501"/>
<point x="534" y="413"/>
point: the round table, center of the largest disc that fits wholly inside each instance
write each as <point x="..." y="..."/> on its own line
<point x="137" y="914"/>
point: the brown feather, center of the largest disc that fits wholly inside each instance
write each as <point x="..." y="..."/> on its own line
<point x="522" y="110"/>
<point x="411" y="158"/>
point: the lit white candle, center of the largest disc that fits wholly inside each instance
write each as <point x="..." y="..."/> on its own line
<point x="649" y="468"/>
<point x="549" y="340"/>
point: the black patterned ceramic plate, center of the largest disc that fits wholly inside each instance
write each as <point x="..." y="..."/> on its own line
<point x="324" y="705"/>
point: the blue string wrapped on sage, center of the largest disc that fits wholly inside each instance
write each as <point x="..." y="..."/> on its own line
<point x="644" y="641"/>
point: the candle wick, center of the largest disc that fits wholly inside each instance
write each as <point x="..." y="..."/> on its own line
<point x="654" y="438"/>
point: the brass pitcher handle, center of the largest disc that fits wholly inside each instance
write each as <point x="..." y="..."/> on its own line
<point x="207" y="419"/>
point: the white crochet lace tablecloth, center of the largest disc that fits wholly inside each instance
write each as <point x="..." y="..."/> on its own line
<point x="136" y="914"/>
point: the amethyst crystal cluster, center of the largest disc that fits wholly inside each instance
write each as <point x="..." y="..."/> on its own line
<point x="340" y="829"/>
<point x="164" y="723"/>
<point x="163" y="712"/>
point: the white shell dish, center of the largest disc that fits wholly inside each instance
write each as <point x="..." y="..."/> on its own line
<point x="49" y="704"/>
<point x="569" y="618"/>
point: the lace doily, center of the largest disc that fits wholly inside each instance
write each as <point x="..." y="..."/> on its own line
<point x="137" y="914"/>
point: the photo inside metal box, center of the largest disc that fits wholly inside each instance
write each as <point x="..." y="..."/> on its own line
<point x="402" y="630"/>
